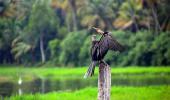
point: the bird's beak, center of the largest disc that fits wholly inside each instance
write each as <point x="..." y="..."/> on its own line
<point x="98" y="30"/>
<point x="95" y="28"/>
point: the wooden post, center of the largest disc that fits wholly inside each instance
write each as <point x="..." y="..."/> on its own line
<point x="104" y="82"/>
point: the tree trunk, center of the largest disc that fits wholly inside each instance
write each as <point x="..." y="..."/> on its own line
<point x="74" y="14"/>
<point x="132" y="14"/>
<point x="155" y="17"/>
<point x="68" y="23"/>
<point x="42" y="49"/>
<point x="32" y="56"/>
<point x="104" y="82"/>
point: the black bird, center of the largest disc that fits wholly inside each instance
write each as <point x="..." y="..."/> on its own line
<point x="100" y="48"/>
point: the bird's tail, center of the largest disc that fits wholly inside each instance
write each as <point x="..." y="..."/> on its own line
<point x="90" y="71"/>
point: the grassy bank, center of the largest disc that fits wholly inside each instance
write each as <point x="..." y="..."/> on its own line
<point x="117" y="93"/>
<point x="12" y="73"/>
<point x="72" y="79"/>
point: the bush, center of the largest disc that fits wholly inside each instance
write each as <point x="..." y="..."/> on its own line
<point x="70" y="48"/>
<point x="147" y="49"/>
<point x="84" y="54"/>
<point x="161" y="50"/>
<point x="142" y="48"/>
<point x="54" y="46"/>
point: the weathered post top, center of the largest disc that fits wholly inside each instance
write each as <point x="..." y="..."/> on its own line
<point x="104" y="81"/>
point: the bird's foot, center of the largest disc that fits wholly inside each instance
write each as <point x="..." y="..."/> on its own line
<point x="104" y="62"/>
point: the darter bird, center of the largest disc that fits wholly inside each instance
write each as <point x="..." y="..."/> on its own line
<point x="100" y="48"/>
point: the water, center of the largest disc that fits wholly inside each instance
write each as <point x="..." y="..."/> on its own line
<point x="44" y="85"/>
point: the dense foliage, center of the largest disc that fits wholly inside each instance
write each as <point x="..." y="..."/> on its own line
<point x="57" y="31"/>
<point x="142" y="48"/>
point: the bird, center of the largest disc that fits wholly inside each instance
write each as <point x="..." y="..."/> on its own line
<point x="19" y="81"/>
<point x="100" y="48"/>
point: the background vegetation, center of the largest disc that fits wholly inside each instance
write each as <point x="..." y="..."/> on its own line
<point x="56" y="35"/>
<point x="58" y="32"/>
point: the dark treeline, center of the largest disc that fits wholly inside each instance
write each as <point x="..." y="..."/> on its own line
<point x="57" y="32"/>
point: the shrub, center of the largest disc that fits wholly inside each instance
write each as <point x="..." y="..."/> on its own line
<point x="70" y="47"/>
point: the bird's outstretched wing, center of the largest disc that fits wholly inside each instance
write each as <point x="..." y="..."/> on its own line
<point x="108" y="42"/>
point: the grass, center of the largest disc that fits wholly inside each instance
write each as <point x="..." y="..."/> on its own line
<point x="117" y="93"/>
<point x="44" y="71"/>
<point x="12" y="73"/>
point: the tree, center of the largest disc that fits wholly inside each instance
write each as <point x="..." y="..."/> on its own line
<point x="70" y="9"/>
<point x="97" y="13"/>
<point x="131" y="14"/>
<point x="42" y="21"/>
<point x="7" y="34"/>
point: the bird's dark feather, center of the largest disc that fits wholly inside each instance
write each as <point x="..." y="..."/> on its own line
<point x="100" y="48"/>
<point x="108" y="42"/>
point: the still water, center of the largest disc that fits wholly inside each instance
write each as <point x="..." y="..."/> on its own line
<point x="44" y="85"/>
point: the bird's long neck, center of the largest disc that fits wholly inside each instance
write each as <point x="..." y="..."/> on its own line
<point x="103" y="35"/>
<point x="94" y="42"/>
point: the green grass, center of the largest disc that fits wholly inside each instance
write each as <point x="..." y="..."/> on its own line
<point x="12" y="73"/>
<point x="117" y="93"/>
<point x="44" y="71"/>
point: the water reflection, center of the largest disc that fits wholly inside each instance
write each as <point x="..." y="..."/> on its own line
<point x="20" y="83"/>
<point x="6" y="89"/>
<point x="44" y="85"/>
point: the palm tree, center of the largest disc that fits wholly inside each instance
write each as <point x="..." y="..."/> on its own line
<point x="70" y="9"/>
<point x="131" y="14"/>
<point x="97" y="13"/>
<point x="19" y="48"/>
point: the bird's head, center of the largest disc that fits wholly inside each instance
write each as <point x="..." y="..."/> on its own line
<point x="98" y="30"/>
